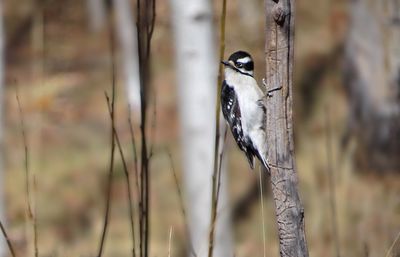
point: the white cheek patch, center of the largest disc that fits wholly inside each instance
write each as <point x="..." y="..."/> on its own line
<point x="244" y="59"/>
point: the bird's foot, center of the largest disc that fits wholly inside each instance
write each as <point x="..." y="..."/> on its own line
<point x="264" y="83"/>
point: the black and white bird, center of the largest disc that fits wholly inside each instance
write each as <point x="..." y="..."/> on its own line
<point x="243" y="107"/>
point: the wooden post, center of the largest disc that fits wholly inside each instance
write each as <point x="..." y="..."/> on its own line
<point x="279" y="72"/>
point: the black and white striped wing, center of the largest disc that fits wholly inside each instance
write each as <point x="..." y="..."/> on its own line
<point x="231" y="111"/>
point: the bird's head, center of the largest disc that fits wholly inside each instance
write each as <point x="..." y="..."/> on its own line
<point x="241" y="62"/>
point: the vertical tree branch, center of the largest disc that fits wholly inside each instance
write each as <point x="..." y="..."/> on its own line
<point x="181" y="205"/>
<point x="127" y="178"/>
<point x="9" y="244"/>
<point x="217" y="144"/>
<point x="30" y="199"/>
<point x="112" y="139"/>
<point x="2" y="104"/>
<point x="279" y="72"/>
<point x="331" y="183"/>
<point x="146" y="14"/>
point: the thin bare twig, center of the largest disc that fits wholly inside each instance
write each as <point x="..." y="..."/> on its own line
<point x="145" y="32"/>
<point x="38" y="46"/>
<point x="181" y="202"/>
<point x="214" y="209"/>
<point x="30" y="211"/>
<point x="112" y="153"/>
<point x="153" y="126"/>
<point x="170" y="241"/>
<point x="143" y="80"/>
<point x="26" y="156"/>
<point x="262" y="212"/>
<point x="331" y="182"/>
<point x="109" y="187"/>
<point x="127" y="179"/>
<point x="34" y="219"/>
<point x="152" y="24"/>
<point x="214" y="196"/>
<point x="135" y="159"/>
<point x="144" y="184"/>
<point x="393" y="244"/>
<point x="135" y="164"/>
<point x="220" y="167"/>
<point x="10" y="246"/>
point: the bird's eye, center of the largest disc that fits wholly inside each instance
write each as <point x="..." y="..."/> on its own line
<point x="239" y="65"/>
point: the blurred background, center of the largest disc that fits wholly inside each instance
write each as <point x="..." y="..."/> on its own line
<point x="347" y="128"/>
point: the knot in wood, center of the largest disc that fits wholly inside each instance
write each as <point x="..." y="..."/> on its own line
<point x="279" y="14"/>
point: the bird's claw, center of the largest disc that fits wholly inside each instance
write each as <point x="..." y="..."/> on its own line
<point x="264" y="82"/>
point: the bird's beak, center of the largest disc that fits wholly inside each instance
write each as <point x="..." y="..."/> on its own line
<point x="228" y="63"/>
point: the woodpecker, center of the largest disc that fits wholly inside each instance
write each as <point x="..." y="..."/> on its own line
<point x="243" y="107"/>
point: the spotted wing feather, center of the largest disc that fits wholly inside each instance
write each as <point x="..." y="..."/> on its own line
<point x="231" y="111"/>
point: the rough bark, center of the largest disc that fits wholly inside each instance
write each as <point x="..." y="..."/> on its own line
<point x="197" y="78"/>
<point x="284" y="179"/>
<point x="372" y="77"/>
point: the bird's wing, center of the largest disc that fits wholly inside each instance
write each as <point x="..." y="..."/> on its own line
<point x="231" y="111"/>
<point x="262" y="104"/>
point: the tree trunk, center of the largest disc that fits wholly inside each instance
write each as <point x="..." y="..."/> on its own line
<point x="197" y="78"/>
<point x="284" y="179"/>
<point x="96" y="14"/>
<point x="373" y="78"/>
<point x="2" y="57"/>
<point x="127" y="37"/>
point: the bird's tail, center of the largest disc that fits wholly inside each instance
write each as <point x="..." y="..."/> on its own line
<point x="266" y="165"/>
<point x="260" y="147"/>
<point x="264" y="161"/>
<point x="250" y="158"/>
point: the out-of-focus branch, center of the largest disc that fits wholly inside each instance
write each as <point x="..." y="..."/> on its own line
<point x="9" y="244"/>
<point x="145" y="26"/>
<point x="331" y="183"/>
<point x="218" y="152"/>
<point x="112" y="152"/>
<point x="181" y="203"/>
<point x="127" y="179"/>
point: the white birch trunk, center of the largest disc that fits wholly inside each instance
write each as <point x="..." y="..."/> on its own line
<point x="2" y="214"/>
<point x="127" y="37"/>
<point x="197" y="78"/>
<point x="96" y="14"/>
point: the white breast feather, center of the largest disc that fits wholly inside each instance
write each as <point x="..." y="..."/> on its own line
<point x="248" y="94"/>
